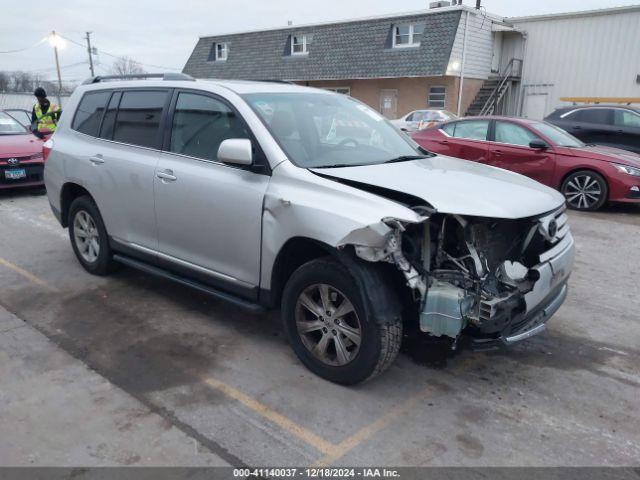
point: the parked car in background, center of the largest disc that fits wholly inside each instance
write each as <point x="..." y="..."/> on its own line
<point x="273" y="195"/>
<point x="587" y="175"/>
<point x="419" y="119"/>
<point x="610" y="125"/>
<point x="21" y="162"/>
<point x="22" y="116"/>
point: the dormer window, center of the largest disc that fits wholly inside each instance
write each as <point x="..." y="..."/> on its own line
<point x="300" y="44"/>
<point x="222" y="50"/>
<point x="407" y="35"/>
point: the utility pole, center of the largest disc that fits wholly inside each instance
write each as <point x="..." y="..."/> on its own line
<point x="89" y="52"/>
<point x="55" y="51"/>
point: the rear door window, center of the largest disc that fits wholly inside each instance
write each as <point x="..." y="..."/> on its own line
<point x="507" y="132"/>
<point x="600" y="116"/>
<point x="471" y="129"/>
<point x="89" y="112"/>
<point x="110" y="116"/>
<point x="138" y="119"/>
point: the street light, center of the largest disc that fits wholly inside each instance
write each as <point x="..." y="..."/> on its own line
<point x="56" y="41"/>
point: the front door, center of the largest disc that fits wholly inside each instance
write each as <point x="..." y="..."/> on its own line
<point x="389" y="103"/>
<point x="510" y="150"/>
<point x="209" y="213"/>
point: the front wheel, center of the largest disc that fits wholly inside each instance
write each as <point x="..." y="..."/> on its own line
<point x="585" y="190"/>
<point x="331" y="328"/>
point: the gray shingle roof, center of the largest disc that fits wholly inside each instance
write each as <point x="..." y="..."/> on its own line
<point x="345" y="50"/>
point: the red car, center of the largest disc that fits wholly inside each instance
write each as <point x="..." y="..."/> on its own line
<point x="21" y="162"/>
<point x="587" y="175"/>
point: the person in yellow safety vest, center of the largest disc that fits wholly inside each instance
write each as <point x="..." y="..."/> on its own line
<point x="45" y="114"/>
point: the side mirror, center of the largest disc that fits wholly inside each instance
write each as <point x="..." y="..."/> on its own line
<point x="538" y="144"/>
<point x="236" y="150"/>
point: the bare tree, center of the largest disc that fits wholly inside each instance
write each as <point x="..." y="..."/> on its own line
<point x="126" y="66"/>
<point x="4" y="82"/>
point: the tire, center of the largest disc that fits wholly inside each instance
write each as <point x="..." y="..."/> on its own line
<point x="585" y="190"/>
<point x="367" y="343"/>
<point x="84" y="222"/>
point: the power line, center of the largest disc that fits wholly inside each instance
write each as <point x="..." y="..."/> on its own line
<point x="113" y="55"/>
<point x="25" y="48"/>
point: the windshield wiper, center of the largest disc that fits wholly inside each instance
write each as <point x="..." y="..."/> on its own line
<point x="405" y="158"/>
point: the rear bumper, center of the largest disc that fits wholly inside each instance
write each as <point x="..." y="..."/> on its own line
<point x="548" y="294"/>
<point x="34" y="178"/>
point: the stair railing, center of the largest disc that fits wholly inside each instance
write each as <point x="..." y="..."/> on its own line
<point x="513" y="68"/>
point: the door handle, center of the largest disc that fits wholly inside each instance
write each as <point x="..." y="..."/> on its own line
<point x="166" y="175"/>
<point x="497" y="152"/>
<point x="576" y="127"/>
<point x="97" y="160"/>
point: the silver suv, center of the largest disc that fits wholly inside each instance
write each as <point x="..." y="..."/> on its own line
<point x="267" y="194"/>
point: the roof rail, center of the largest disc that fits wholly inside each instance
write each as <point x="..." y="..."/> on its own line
<point x="288" y="82"/>
<point x="136" y="76"/>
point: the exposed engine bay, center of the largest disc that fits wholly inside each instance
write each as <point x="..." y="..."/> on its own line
<point x="480" y="275"/>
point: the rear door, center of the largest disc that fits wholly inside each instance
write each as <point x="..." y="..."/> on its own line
<point x="627" y="126"/>
<point x="509" y="149"/>
<point x="592" y="125"/>
<point x="123" y="163"/>
<point x="465" y="139"/>
<point x="209" y="213"/>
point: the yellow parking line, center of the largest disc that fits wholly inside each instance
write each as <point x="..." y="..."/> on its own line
<point x="28" y="275"/>
<point x="370" y="430"/>
<point x="283" y="422"/>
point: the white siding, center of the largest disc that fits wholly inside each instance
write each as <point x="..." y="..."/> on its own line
<point x="593" y="55"/>
<point x="479" y="46"/>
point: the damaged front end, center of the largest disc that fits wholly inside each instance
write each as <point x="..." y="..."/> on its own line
<point x="496" y="280"/>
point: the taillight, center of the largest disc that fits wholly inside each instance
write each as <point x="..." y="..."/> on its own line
<point x="46" y="149"/>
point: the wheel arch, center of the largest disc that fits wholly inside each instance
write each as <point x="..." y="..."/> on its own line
<point x="69" y="192"/>
<point x="294" y="253"/>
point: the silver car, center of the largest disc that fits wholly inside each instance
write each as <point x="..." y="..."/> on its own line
<point x="271" y="195"/>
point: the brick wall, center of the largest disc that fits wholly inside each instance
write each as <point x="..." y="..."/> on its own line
<point x="412" y="92"/>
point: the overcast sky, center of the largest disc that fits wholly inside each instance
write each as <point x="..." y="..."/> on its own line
<point x="163" y="33"/>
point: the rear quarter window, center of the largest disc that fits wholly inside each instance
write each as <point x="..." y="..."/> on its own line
<point x="89" y="112"/>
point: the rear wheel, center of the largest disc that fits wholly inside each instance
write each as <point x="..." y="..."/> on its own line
<point x="330" y="327"/>
<point x="585" y="190"/>
<point x="89" y="237"/>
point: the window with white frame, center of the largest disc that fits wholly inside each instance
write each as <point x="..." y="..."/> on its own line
<point x="437" y="96"/>
<point x="300" y="44"/>
<point x="222" y="51"/>
<point x="342" y="90"/>
<point x="407" y="35"/>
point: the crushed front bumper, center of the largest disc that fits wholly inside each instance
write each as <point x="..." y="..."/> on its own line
<point x="542" y="302"/>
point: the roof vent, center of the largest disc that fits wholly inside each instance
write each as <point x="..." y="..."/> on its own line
<point x="443" y="3"/>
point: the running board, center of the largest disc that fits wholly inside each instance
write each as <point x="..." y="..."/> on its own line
<point x="145" y="267"/>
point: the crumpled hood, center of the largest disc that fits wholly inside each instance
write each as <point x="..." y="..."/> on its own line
<point x="457" y="186"/>
<point x="608" y="154"/>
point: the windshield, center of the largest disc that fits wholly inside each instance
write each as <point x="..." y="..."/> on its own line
<point x="557" y="136"/>
<point x="9" y="126"/>
<point x="330" y="130"/>
<point x="434" y="116"/>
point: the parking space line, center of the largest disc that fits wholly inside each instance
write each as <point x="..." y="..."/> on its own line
<point x="370" y="430"/>
<point x="327" y="448"/>
<point x="28" y="275"/>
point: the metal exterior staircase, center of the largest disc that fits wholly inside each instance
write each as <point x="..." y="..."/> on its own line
<point x="494" y="88"/>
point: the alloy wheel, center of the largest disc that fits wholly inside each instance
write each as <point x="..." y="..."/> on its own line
<point x="86" y="236"/>
<point x="582" y="191"/>
<point x="328" y="324"/>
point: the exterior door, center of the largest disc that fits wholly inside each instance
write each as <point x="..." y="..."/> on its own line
<point x="627" y="126"/>
<point x="510" y="150"/>
<point x="535" y="106"/>
<point x="389" y="103"/>
<point x="466" y="139"/>
<point x="123" y="168"/>
<point x="209" y="213"/>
